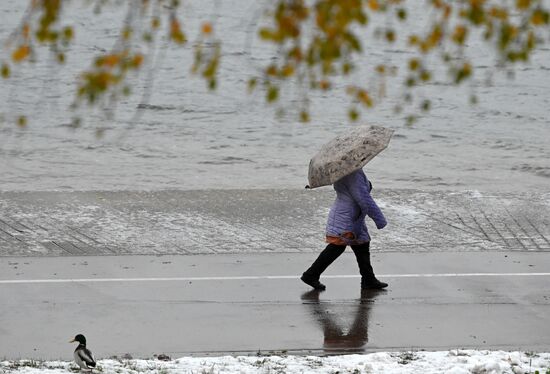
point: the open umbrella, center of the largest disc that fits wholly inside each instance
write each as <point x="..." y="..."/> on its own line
<point x="347" y="153"/>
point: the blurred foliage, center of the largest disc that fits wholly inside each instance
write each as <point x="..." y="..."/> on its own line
<point x="107" y="79"/>
<point x="320" y="40"/>
<point x="316" y="42"/>
<point x="207" y="59"/>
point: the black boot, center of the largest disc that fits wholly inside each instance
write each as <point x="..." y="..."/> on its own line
<point x="372" y="284"/>
<point x="368" y="279"/>
<point x="311" y="276"/>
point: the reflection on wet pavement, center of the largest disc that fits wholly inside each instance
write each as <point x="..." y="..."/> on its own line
<point x="338" y="338"/>
<point x="202" y="305"/>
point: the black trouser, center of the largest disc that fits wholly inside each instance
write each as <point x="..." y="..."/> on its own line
<point x="333" y="251"/>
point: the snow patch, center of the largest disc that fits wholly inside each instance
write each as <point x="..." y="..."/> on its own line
<point x="451" y="362"/>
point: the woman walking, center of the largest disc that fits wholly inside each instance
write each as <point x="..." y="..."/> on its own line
<point x="346" y="226"/>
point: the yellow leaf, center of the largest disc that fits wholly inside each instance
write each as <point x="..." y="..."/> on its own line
<point x="212" y="83"/>
<point x="137" y="60"/>
<point x="324" y="84"/>
<point x="435" y="35"/>
<point x="447" y="11"/>
<point x="21" y="53"/>
<point x="26" y="31"/>
<point x="390" y="36"/>
<point x="539" y="17"/>
<point x="347" y="67"/>
<point x="155" y="23"/>
<point x="295" y="53"/>
<point x="68" y="33"/>
<point x="206" y="28"/>
<point x="459" y="35"/>
<point x="374" y="5"/>
<point x="175" y="32"/>
<point x="413" y="64"/>
<point x="103" y="80"/>
<point x="531" y="41"/>
<point x="523" y="4"/>
<point x="272" y="94"/>
<point x="426" y="105"/>
<point x="5" y="71"/>
<point x="147" y="37"/>
<point x="126" y="33"/>
<point x="22" y="121"/>
<point x="287" y="71"/>
<point x="425" y="75"/>
<point x="252" y="84"/>
<point x="402" y="14"/>
<point x="266" y="34"/>
<point x="414" y="40"/>
<point x="353" y="115"/>
<point x="424" y="47"/>
<point x="411" y="119"/>
<point x="498" y="13"/>
<point x="109" y="60"/>
<point x="271" y="70"/>
<point x="365" y="98"/>
<point x="437" y="3"/>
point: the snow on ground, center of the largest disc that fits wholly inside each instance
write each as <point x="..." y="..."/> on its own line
<point x="453" y="362"/>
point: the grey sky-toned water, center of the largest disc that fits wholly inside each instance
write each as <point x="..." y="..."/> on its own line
<point x="190" y="138"/>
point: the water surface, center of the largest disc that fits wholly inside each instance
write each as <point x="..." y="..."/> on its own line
<point x="190" y="138"/>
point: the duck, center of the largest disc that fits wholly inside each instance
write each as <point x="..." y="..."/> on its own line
<point x="82" y="355"/>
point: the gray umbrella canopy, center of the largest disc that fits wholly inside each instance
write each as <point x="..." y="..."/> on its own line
<point x="347" y="153"/>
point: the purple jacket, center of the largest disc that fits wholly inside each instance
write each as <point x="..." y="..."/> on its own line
<point x="353" y="203"/>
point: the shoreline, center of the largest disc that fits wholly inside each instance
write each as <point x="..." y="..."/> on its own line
<point x="454" y="361"/>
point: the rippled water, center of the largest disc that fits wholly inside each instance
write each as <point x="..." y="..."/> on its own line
<point x="189" y="138"/>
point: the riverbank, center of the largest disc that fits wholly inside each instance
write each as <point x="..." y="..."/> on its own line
<point x="412" y="362"/>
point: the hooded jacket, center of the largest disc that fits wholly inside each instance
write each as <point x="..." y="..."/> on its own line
<point x="353" y="203"/>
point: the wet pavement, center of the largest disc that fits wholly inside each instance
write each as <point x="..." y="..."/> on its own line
<point x="261" y="221"/>
<point x="216" y="271"/>
<point x="249" y="303"/>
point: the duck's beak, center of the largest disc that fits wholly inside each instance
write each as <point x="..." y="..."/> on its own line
<point x="72" y="341"/>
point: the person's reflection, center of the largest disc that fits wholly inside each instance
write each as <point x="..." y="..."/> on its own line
<point x="336" y="339"/>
